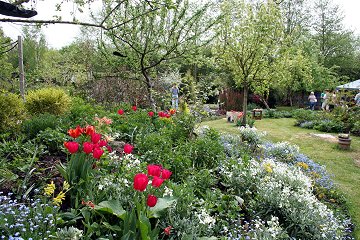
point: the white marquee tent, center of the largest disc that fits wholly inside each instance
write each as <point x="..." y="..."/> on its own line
<point x="355" y="85"/>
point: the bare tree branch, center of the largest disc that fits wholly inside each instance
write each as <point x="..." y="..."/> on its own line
<point x="52" y="22"/>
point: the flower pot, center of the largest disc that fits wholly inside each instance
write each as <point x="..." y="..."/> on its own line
<point x="344" y="143"/>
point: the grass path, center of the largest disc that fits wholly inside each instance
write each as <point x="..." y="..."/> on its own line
<point x="343" y="165"/>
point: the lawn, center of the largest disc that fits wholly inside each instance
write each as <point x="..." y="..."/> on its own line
<point x="343" y="165"/>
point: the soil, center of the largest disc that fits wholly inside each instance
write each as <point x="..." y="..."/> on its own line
<point x="326" y="137"/>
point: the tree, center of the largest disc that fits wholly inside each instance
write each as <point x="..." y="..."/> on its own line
<point x="6" y="69"/>
<point x="250" y="45"/>
<point x="160" y="36"/>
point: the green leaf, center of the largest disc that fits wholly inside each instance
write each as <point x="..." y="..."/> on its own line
<point x="145" y="227"/>
<point x="161" y="205"/>
<point x="112" y="227"/>
<point x="112" y="207"/>
<point x="208" y="238"/>
<point x="6" y="174"/>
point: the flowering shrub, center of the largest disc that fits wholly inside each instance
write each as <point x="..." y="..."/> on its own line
<point x="251" y="136"/>
<point x="34" y="220"/>
<point x="282" y="151"/>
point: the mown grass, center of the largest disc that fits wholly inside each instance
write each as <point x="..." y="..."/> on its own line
<point x="343" y="165"/>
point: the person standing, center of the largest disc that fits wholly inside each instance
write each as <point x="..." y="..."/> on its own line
<point x="325" y="103"/>
<point x="175" y="96"/>
<point x="357" y="98"/>
<point x="312" y="99"/>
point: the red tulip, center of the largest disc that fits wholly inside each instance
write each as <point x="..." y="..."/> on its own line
<point x="167" y="230"/>
<point x="102" y="143"/>
<point x="134" y="108"/>
<point x="72" y="147"/>
<point x="154" y="170"/>
<point x="156" y="182"/>
<point x="140" y="182"/>
<point x="95" y="137"/>
<point x="109" y="148"/>
<point x="120" y="111"/>
<point x="151" y="114"/>
<point x="161" y="114"/>
<point x="97" y="153"/>
<point x="75" y="133"/>
<point x="128" y="148"/>
<point x="88" y="147"/>
<point x="165" y="174"/>
<point x="89" y="130"/>
<point x="151" y="200"/>
<point x="172" y="111"/>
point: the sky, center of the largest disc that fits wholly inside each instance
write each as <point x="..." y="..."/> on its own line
<point x="59" y="35"/>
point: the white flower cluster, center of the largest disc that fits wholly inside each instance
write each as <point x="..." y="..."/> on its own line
<point x="282" y="151"/>
<point x="267" y="230"/>
<point x="205" y="218"/>
<point x="251" y="135"/>
<point x="288" y="190"/>
<point x="202" y="130"/>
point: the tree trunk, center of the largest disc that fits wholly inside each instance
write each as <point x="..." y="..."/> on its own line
<point x="265" y="103"/>
<point x="149" y="87"/>
<point x="245" y="98"/>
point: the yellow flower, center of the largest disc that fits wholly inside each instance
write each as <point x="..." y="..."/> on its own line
<point x="49" y="189"/>
<point x="268" y="168"/>
<point x="59" y="198"/>
<point x="303" y="165"/>
<point x="66" y="186"/>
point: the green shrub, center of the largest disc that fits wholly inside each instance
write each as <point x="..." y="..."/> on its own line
<point x="53" y="139"/>
<point x="39" y="123"/>
<point x="302" y="115"/>
<point x="154" y="147"/>
<point x="356" y="128"/>
<point x="329" y="126"/>
<point x="12" y="111"/>
<point x="47" y="100"/>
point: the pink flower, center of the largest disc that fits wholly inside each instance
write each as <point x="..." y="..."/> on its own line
<point x="154" y="170"/>
<point x="88" y="147"/>
<point x="165" y="174"/>
<point x="156" y="182"/>
<point x="72" y="147"/>
<point x="151" y="200"/>
<point x="128" y="148"/>
<point x="120" y="112"/>
<point x="97" y="153"/>
<point x="140" y="182"/>
<point x="167" y="230"/>
<point x="95" y="137"/>
<point x="134" y="108"/>
<point x="151" y="114"/>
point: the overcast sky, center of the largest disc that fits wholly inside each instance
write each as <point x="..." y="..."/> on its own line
<point x="60" y="35"/>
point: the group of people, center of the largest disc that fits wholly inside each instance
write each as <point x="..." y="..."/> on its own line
<point x="329" y="100"/>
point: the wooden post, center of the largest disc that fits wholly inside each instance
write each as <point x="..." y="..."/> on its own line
<point x="21" y="68"/>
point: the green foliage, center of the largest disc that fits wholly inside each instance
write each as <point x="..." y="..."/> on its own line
<point x="12" y="111"/>
<point x="82" y="113"/>
<point x="33" y="126"/>
<point x="302" y="115"/>
<point x="273" y="113"/>
<point x="47" y="100"/>
<point x="329" y="126"/>
<point x="155" y="147"/>
<point x="53" y="139"/>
